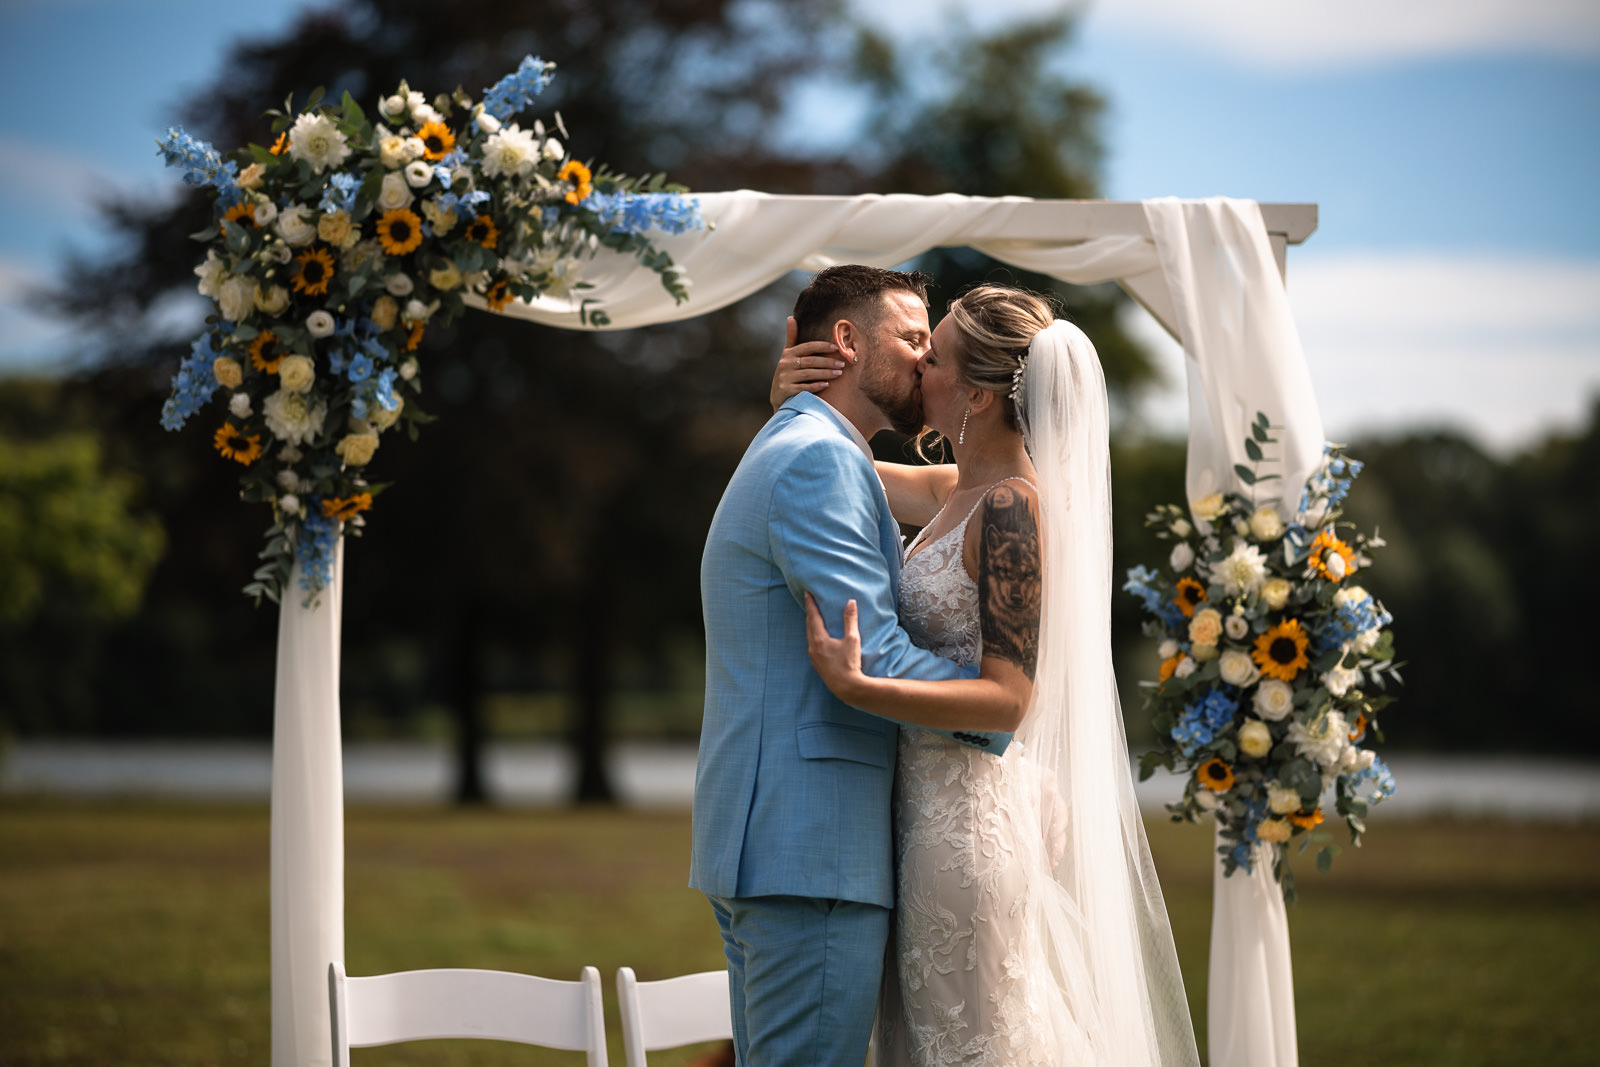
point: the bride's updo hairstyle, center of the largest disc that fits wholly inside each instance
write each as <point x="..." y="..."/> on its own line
<point x="997" y="324"/>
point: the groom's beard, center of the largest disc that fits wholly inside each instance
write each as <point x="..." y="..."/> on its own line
<point x="902" y="406"/>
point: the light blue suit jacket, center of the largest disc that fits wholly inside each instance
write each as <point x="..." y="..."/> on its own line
<point x="792" y="789"/>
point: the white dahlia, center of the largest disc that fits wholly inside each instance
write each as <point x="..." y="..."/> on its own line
<point x="293" y="417"/>
<point x="317" y="140"/>
<point x="1324" y="739"/>
<point x="1243" y="570"/>
<point x="511" y="152"/>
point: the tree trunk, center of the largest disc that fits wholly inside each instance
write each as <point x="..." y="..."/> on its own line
<point x="468" y="707"/>
<point x="591" y="646"/>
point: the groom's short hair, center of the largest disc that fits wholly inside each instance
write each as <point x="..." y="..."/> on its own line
<point x="851" y="291"/>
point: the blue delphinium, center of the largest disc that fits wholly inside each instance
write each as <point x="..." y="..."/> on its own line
<point x="636" y="213"/>
<point x="194" y="383"/>
<point x="340" y="195"/>
<point x="360" y="367"/>
<point x="1349" y="619"/>
<point x="1379" y="775"/>
<point x="202" y="165"/>
<point x="314" y="546"/>
<point x="463" y="205"/>
<point x="516" y="90"/>
<point x="1138" y="583"/>
<point x="1202" y="719"/>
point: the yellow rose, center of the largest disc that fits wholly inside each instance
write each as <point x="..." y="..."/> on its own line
<point x="1266" y="525"/>
<point x="296" y="373"/>
<point x="334" y="228"/>
<point x="228" y="373"/>
<point x="250" y="177"/>
<point x="383" y="419"/>
<point x="442" y="221"/>
<point x="446" y="278"/>
<point x="1275" y="593"/>
<point x="1255" y="740"/>
<point x="384" y="312"/>
<point x="356" y="449"/>
<point x="274" y="300"/>
<point x="1205" y="627"/>
<point x="1207" y="507"/>
<point x="1202" y="653"/>
<point x="1274" y="831"/>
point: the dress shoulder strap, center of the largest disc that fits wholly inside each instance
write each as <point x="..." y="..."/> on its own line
<point x="1002" y="481"/>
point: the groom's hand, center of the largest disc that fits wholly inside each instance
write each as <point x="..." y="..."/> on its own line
<point x="803" y="368"/>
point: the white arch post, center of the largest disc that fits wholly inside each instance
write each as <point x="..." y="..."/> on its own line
<point x="1210" y="271"/>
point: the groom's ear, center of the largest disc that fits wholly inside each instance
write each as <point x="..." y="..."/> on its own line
<point x="848" y="338"/>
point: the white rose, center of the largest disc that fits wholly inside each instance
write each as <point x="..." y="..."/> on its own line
<point x="1236" y="626"/>
<point x="1335" y="564"/>
<point x="211" y="273"/>
<point x="417" y="311"/>
<point x="296" y="225"/>
<point x="393" y="107"/>
<point x="317" y="140"/>
<point x="277" y="252"/>
<point x="1167" y="649"/>
<point x="1182" y="556"/>
<point x="394" y="194"/>
<point x="266" y="211"/>
<point x="1340" y="679"/>
<point x="239" y="404"/>
<point x="1349" y="760"/>
<point x="1266" y="524"/>
<point x="237" y="300"/>
<point x="418" y="174"/>
<point x="1255" y="740"/>
<point x="487" y="122"/>
<point x="274" y="300"/>
<point x="1351" y="594"/>
<point x="1362" y="642"/>
<point x="293" y="417"/>
<point x="1241" y="528"/>
<point x="320" y="324"/>
<point x="415" y="149"/>
<point x="553" y="150"/>
<point x="422" y="114"/>
<point x="1282" y="800"/>
<point x="510" y="152"/>
<point x="393" y="152"/>
<point x="1207" y="507"/>
<point x="398" y="284"/>
<point x="1181" y="528"/>
<point x="1238" y="668"/>
<point x="1184" y="668"/>
<point x="288" y="480"/>
<point x="1243" y="570"/>
<point x="1274" y="700"/>
<point x="408" y="369"/>
<point x="296" y="373"/>
<point x="1275" y="593"/>
<point x="1206" y="799"/>
<point x="289" y="503"/>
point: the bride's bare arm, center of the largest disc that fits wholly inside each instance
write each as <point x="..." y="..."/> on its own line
<point x="1009" y="592"/>
<point x="916" y="493"/>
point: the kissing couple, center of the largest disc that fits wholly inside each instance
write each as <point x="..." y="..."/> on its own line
<point x="929" y="819"/>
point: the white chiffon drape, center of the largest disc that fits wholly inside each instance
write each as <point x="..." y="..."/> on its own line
<point x="1211" y="259"/>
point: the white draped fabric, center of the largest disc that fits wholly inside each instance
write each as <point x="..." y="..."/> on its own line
<point x="1206" y="268"/>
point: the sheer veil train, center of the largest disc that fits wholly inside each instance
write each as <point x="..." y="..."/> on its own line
<point x="1103" y="918"/>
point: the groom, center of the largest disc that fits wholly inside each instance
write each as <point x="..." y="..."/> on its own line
<point x="792" y="834"/>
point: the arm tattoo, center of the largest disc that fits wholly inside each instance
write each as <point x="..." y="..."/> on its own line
<point x="1009" y="580"/>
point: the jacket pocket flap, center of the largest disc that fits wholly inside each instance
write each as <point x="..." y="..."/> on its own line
<point x="831" y="740"/>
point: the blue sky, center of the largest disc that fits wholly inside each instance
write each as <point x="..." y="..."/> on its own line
<point x="1453" y="145"/>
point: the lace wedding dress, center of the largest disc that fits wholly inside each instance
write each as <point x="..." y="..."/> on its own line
<point x="968" y="981"/>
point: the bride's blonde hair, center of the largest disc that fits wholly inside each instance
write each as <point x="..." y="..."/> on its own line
<point x="997" y="324"/>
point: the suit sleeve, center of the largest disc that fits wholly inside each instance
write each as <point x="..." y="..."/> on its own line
<point x="824" y="525"/>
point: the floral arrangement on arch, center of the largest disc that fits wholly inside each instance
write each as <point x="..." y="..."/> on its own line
<point x="334" y="250"/>
<point x="1272" y="657"/>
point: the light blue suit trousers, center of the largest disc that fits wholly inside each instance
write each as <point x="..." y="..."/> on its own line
<point x="792" y="789"/>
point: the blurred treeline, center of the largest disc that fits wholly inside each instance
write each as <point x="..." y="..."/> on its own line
<point x="539" y="553"/>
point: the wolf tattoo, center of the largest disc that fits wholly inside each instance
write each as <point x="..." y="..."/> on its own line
<point x="1010" y="583"/>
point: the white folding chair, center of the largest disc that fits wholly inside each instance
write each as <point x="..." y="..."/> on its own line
<point x="496" y="1005"/>
<point x="678" y="1011"/>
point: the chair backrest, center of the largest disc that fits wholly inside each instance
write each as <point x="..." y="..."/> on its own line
<point x="674" y="1011"/>
<point x="456" y="1002"/>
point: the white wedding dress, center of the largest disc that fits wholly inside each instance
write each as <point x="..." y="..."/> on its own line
<point x="967" y="980"/>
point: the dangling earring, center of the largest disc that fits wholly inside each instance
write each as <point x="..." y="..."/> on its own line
<point x="962" y="439"/>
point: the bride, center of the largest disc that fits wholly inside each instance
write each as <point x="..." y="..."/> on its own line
<point x="1029" y="926"/>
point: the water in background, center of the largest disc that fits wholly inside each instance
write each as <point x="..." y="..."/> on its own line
<point x="662" y="776"/>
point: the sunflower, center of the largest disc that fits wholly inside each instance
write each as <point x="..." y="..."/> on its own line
<point x="281" y="145"/>
<point x="316" y="271"/>
<point x="1358" y="729"/>
<point x="241" y="212"/>
<point x="437" y="140"/>
<point x="482" y="230"/>
<point x="264" y="354"/>
<point x="578" y="174"/>
<point x="414" y="338"/>
<point x="498" y="296"/>
<point x="1188" y="596"/>
<point x="1216" y="775"/>
<point x="237" y="446"/>
<point x="399" y="231"/>
<point x="1281" y="651"/>
<point x="1323" y="548"/>
<point x="1306" y="820"/>
<point x="347" y="508"/>
<point x="1170" y="665"/>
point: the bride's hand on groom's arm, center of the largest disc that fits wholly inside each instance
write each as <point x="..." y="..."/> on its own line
<point x="836" y="659"/>
<point x="804" y="368"/>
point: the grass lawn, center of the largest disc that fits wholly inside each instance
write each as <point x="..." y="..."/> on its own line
<point x="136" y="933"/>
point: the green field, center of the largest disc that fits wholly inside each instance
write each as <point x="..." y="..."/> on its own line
<point x="136" y="933"/>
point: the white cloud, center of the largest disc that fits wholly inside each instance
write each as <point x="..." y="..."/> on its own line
<point x="1290" y="33"/>
<point x="28" y="341"/>
<point x="47" y="176"/>
<point x="1505" y="347"/>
